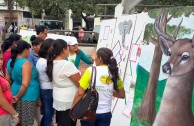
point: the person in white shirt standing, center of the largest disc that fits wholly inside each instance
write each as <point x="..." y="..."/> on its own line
<point x="64" y="76"/>
<point x="46" y="86"/>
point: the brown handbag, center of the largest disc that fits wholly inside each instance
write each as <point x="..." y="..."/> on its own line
<point x="85" y="108"/>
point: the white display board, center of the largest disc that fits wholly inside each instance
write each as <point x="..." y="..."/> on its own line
<point x="122" y="109"/>
<point x="106" y="33"/>
<point x="28" y="33"/>
<point x="126" y="45"/>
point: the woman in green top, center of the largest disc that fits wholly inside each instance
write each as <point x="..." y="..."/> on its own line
<point x="25" y="86"/>
<point x="76" y="54"/>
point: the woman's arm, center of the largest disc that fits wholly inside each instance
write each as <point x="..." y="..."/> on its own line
<point x="119" y="94"/>
<point x="7" y="76"/>
<point x="26" y="77"/>
<point x="5" y="105"/>
<point x="84" y="84"/>
<point x="80" y="92"/>
<point x="85" y="58"/>
<point x="75" y="78"/>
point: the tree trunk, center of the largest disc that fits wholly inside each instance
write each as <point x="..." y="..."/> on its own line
<point x="33" y="20"/>
<point x="147" y="110"/>
<point x="10" y="8"/>
<point x="86" y="21"/>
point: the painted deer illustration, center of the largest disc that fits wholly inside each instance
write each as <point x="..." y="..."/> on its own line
<point x="175" y="108"/>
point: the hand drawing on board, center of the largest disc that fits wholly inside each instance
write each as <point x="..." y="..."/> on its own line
<point x="134" y="52"/>
<point x="106" y="32"/>
<point x="128" y="107"/>
<point x="124" y="28"/>
<point x="116" y="52"/>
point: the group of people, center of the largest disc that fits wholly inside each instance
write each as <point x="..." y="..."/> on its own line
<point x="47" y="70"/>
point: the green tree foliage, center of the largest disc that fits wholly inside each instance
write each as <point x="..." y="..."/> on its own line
<point x="175" y="12"/>
<point x="170" y="30"/>
<point x="88" y="7"/>
<point x="168" y="2"/>
<point x="58" y="8"/>
<point x="33" y="5"/>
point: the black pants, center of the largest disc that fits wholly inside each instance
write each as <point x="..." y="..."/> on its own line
<point x="63" y="118"/>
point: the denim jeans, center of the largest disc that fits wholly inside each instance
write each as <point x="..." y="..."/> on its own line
<point x="101" y="120"/>
<point x="63" y="118"/>
<point x="47" y="109"/>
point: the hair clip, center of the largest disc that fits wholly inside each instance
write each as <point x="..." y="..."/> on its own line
<point x="111" y="57"/>
<point x="15" y="45"/>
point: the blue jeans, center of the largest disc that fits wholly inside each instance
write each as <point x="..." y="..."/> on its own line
<point x="47" y="109"/>
<point x="101" y="120"/>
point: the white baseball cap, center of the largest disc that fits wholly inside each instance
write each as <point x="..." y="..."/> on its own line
<point x="72" y="41"/>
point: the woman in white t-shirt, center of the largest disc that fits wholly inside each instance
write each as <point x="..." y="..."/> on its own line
<point x="46" y="92"/>
<point x="108" y="84"/>
<point x="65" y="78"/>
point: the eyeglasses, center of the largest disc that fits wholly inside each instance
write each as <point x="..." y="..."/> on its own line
<point x="45" y="33"/>
<point x="75" y="45"/>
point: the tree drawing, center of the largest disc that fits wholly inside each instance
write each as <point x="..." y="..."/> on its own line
<point x="147" y="110"/>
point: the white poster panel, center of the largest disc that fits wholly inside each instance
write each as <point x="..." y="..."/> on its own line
<point x="122" y="40"/>
<point x="26" y="34"/>
<point x="107" y="29"/>
<point x="122" y="109"/>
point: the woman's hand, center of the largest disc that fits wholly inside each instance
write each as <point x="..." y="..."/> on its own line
<point x="16" y="118"/>
<point x="93" y="56"/>
<point x="15" y="99"/>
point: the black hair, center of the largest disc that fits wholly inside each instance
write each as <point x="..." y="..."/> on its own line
<point x="108" y="59"/>
<point x="45" y="47"/>
<point x="58" y="47"/>
<point x="40" y="28"/>
<point x="9" y="41"/>
<point x="35" y="40"/>
<point x="21" y="45"/>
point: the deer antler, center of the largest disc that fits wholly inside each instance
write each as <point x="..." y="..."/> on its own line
<point x="166" y="41"/>
<point x="177" y="29"/>
<point x="161" y="22"/>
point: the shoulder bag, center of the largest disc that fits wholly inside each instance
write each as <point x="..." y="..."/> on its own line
<point x="85" y="108"/>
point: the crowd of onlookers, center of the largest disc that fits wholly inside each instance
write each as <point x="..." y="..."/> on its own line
<point x="44" y="76"/>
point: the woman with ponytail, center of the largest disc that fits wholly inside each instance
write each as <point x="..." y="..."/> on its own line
<point x="108" y="84"/>
<point x="36" y="43"/>
<point x="25" y="84"/>
<point x="6" y="48"/>
<point x="46" y="86"/>
<point x="64" y="76"/>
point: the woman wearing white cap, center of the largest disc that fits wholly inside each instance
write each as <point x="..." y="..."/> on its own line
<point x="76" y="54"/>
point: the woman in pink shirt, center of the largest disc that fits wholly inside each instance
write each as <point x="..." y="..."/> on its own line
<point x="8" y="115"/>
<point x="6" y="48"/>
